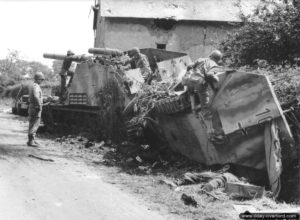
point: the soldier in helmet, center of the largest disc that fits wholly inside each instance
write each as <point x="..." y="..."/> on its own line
<point x="200" y="75"/>
<point x="65" y="72"/>
<point x="35" y="108"/>
<point x="141" y="61"/>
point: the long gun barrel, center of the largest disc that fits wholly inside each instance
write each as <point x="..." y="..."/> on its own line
<point x="105" y="51"/>
<point x="75" y="58"/>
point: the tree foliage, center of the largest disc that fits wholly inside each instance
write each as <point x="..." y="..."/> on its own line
<point x="15" y="70"/>
<point x="272" y="33"/>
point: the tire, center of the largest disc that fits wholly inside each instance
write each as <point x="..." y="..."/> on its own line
<point x="24" y="112"/>
<point x="14" y="110"/>
<point x="18" y="111"/>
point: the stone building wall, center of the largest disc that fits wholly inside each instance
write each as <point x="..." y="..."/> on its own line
<point x="193" y="37"/>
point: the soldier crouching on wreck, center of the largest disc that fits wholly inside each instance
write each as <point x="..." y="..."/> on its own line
<point x="141" y="61"/>
<point x="35" y="108"/>
<point x="65" y="72"/>
<point x="200" y="75"/>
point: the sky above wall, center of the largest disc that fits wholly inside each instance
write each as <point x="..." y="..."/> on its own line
<point x="34" y="27"/>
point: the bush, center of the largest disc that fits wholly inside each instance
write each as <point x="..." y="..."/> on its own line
<point x="16" y="90"/>
<point x="272" y="33"/>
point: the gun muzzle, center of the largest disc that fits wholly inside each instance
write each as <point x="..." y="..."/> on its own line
<point x="75" y="58"/>
<point x="54" y="56"/>
<point x="105" y="51"/>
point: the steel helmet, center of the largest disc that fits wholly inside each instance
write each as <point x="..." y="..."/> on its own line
<point x="135" y="50"/>
<point x="39" y="75"/>
<point x="70" y="53"/>
<point x="216" y="55"/>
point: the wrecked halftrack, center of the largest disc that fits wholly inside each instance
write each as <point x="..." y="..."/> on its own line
<point x="247" y="128"/>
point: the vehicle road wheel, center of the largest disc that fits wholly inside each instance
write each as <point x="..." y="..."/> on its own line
<point x="14" y="110"/>
<point x="18" y="110"/>
<point x="23" y="112"/>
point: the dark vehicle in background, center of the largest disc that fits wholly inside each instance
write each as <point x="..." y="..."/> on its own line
<point x="20" y="105"/>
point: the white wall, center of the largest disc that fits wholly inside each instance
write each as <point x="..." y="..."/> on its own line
<point x="197" y="39"/>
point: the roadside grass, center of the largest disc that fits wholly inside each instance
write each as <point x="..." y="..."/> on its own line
<point x="152" y="187"/>
<point x="5" y="102"/>
<point x="119" y="165"/>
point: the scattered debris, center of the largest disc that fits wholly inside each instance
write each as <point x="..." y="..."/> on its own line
<point x="244" y="191"/>
<point x="89" y="144"/>
<point x="97" y="162"/>
<point x="189" y="200"/>
<point x="102" y="143"/>
<point x="139" y="159"/>
<point x="145" y="147"/>
<point x="154" y="164"/>
<point x="145" y="169"/>
<point x="129" y="160"/>
<point x="219" y="181"/>
<point x="40" y="158"/>
<point x="210" y="194"/>
<point x="171" y="184"/>
<point x="80" y="139"/>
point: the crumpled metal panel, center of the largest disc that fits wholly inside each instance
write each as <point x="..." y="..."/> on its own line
<point x="245" y="100"/>
<point x="136" y="78"/>
<point x="173" y="68"/>
<point x="242" y="104"/>
<point x="188" y="135"/>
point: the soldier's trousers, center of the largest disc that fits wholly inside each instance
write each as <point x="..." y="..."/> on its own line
<point x="202" y="92"/>
<point x="203" y="95"/>
<point x="63" y="87"/>
<point x="34" y="122"/>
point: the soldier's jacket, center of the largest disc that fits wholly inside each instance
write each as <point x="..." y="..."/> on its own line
<point x="35" y="100"/>
<point x="67" y="64"/>
<point x="142" y="62"/>
<point x="204" y="66"/>
<point x="201" y="72"/>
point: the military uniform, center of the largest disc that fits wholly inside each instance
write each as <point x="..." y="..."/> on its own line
<point x="35" y="109"/>
<point x="197" y="79"/>
<point x="143" y="63"/>
<point x="64" y="73"/>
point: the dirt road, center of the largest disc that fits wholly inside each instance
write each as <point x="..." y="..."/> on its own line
<point x="65" y="188"/>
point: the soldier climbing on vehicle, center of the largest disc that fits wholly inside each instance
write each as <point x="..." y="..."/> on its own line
<point x="65" y="72"/>
<point x="200" y="75"/>
<point x="141" y="61"/>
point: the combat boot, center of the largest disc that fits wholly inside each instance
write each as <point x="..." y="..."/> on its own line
<point x="36" y="143"/>
<point x="31" y="142"/>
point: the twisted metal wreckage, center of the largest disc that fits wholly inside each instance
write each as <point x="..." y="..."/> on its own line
<point x="246" y="112"/>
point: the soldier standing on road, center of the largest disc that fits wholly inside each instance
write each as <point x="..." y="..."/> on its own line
<point x="141" y="61"/>
<point x="35" y="108"/>
<point x="65" y="72"/>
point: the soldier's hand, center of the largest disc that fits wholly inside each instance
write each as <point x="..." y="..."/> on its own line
<point x="189" y="68"/>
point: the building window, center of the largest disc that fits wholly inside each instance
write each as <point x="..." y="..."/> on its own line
<point x="161" y="46"/>
<point x="164" y="24"/>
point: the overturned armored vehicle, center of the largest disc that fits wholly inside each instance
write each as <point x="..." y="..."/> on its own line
<point x="247" y="128"/>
